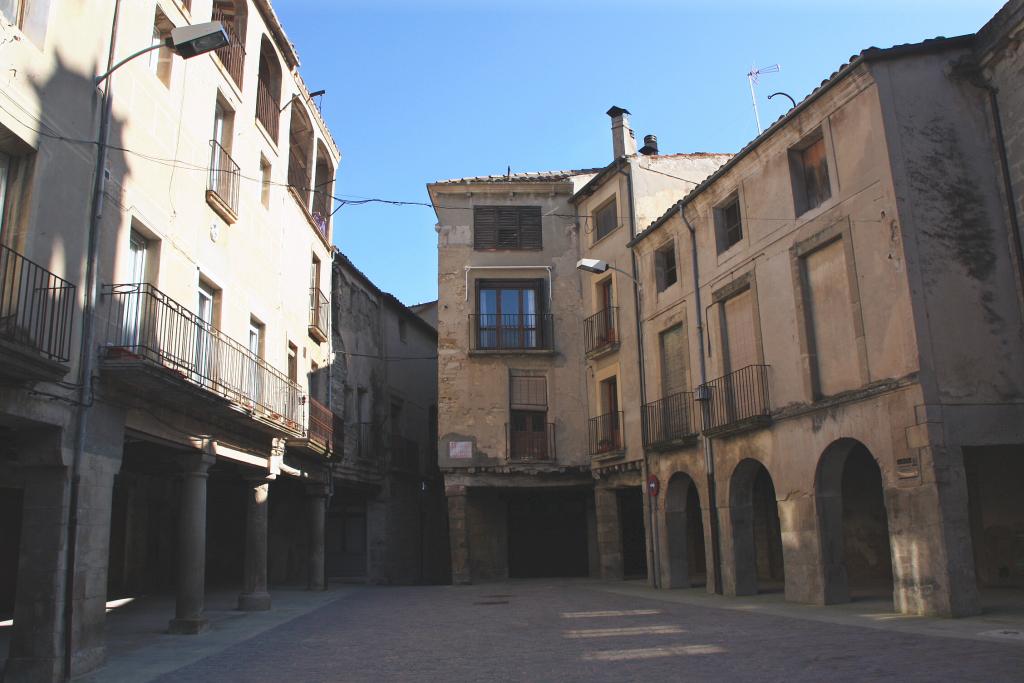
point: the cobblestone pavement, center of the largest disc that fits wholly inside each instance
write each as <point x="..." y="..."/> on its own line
<point x="574" y="631"/>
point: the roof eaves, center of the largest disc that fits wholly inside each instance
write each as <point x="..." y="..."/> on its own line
<point x="594" y="183"/>
<point x="870" y="54"/>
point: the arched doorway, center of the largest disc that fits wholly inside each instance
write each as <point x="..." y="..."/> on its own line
<point x="756" y="532"/>
<point x="684" y="526"/>
<point x="853" y="524"/>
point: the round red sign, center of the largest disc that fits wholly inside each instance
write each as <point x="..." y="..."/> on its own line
<point x="653" y="485"/>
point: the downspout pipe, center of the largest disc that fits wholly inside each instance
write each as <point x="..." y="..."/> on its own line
<point x="709" y="452"/>
<point x="637" y="303"/>
<point x="87" y="354"/>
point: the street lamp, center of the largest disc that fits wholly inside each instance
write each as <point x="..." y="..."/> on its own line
<point x="185" y="41"/>
<point x="593" y="265"/>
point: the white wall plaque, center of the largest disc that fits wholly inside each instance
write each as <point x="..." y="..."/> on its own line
<point x="460" y="450"/>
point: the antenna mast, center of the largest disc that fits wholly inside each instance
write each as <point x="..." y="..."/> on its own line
<point x="752" y="77"/>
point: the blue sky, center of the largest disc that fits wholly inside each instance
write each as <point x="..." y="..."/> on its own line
<point x="422" y="90"/>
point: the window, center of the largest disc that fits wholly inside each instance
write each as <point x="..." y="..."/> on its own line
<point x="265" y="182"/>
<point x="314" y="273"/>
<point x="256" y="352"/>
<point x="508" y="315"/>
<point x="402" y="331"/>
<point x="606" y="219"/>
<point x="205" y="322"/>
<point x="293" y="362"/>
<point x="507" y="227"/>
<point x="728" y="223"/>
<point x="808" y="167"/>
<point x="268" y="90"/>
<point x="739" y="338"/>
<point x="224" y="172"/>
<point x="528" y="416"/>
<point x="161" y="61"/>
<point x="300" y="153"/>
<point x="14" y="11"/>
<point x="665" y="266"/>
<point x="232" y="15"/>
<point x="673" y="361"/>
<point x="31" y="16"/>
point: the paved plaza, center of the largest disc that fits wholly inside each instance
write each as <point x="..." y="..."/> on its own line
<point x="566" y="631"/>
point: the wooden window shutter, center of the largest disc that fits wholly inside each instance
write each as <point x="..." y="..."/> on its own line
<point x="507" y="227"/>
<point x="485" y="227"/>
<point x="529" y="228"/>
<point x="527" y="391"/>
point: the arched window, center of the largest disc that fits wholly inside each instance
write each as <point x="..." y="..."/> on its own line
<point x="232" y="14"/>
<point x="324" y="188"/>
<point x="268" y="89"/>
<point x="300" y="152"/>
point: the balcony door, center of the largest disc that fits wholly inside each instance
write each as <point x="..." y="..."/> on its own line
<point x="204" y="335"/>
<point x="255" y="342"/>
<point x="609" y="428"/>
<point x="133" y="304"/>
<point x="509" y="315"/>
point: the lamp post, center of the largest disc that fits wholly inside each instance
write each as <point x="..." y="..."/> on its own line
<point x="597" y="266"/>
<point x="186" y="42"/>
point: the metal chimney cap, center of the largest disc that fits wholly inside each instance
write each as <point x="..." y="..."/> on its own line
<point x="616" y="112"/>
<point x="650" y="145"/>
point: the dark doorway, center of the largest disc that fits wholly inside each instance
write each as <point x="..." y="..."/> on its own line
<point x="634" y="543"/>
<point x="10" y="548"/>
<point x="695" y="538"/>
<point x="685" y="530"/>
<point x="547" y="534"/>
<point x="995" y="476"/>
<point x="346" y="536"/>
<point x="756" y="532"/>
<point x="853" y="524"/>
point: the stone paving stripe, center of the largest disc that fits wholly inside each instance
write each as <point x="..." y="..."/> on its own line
<point x="610" y="613"/>
<point x="653" y="652"/>
<point x="624" y="631"/>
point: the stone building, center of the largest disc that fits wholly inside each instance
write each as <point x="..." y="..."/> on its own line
<point x="529" y="360"/>
<point x="854" y="441"/>
<point x="386" y="519"/>
<point x="158" y="434"/>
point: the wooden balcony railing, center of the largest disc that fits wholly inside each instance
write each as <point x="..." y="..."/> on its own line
<point x="232" y="55"/>
<point x="321" y="425"/>
<point x="669" y="420"/>
<point x="736" y="401"/>
<point x="508" y="331"/>
<point x="36" y="307"/>
<point x="146" y="325"/>
<point x="319" y="315"/>
<point x="606" y="434"/>
<point x="531" y="446"/>
<point x="224" y="176"/>
<point x="268" y="111"/>
<point x="600" y="331"/>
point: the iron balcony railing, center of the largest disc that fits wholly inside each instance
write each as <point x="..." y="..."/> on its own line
<point x="298" y="181"/>
<point x="601" y="329"/>
<point x="321" y="424"/>
<point x="268" y="110"/>
<point x="319" y="313"/>
<point x="405" y="454"/>
<point x="512" y="331"/>
<point x="321" y="211"/>
<point x="531" y="446"/>
<point x="36" y="307"/>
<point x="224" y="176"/>
<point x="606" y="433"/>
<point x="735" y="399"/>
<point x="147" y="325"/>
<point x="232" y="55"/>
<point x="668" y="420"/>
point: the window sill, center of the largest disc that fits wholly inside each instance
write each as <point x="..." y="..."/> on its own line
<point x="235" y="87"/>
<point x="604" y="237"/>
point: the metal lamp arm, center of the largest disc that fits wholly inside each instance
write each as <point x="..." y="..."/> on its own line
<point x="99" y="79"/>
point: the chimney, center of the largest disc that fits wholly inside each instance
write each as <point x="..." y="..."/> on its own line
<point x="650" y="145"/>
<point x="623" y="140"/>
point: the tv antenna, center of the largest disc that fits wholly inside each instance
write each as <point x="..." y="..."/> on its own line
<point x="752" y="78"/>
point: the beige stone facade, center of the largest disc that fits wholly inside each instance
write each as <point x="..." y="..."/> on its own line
<point x="203" y="313"/>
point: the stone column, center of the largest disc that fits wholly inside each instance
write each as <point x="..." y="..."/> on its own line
<point x="316" y="501"/>
<point x="188" y="611"/>
<point x="458" y="528"/>
<point x="609" y="533"/>
<point x="254" y="595"/>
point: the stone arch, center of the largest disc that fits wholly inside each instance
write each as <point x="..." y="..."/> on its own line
<point x="755" y="561"/>
<point x="268" y="89"/>
<point x="853" y="530"/>
<point x="684" y="527"/>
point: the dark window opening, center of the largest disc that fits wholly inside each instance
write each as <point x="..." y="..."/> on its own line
<point x="808" y="165"/>
<point x="729" y="224"/>
<point x="606" y="219"/>
<point x="665" y="266"/>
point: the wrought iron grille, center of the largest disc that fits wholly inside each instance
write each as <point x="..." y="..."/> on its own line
<point x="740" y="396"/>
<point x="268" y="112"/>
<point x="321" y="424"/>
<point x="669" y="419"/>
<point x="531" y="446"/>
<point x="319" y="311"/>
<point x="224" y="175"/>
<point x="36" y="307"/>
<point x="232" y="55"/>
<point x="601" y="329"/>
<point x="512" y="331"/>
<point x="606" y="433"/>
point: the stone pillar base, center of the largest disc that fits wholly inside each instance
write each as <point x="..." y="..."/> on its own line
<point x="30" y="669"/>
<point x="188" y="627"/>
<point x="254" y="602"/>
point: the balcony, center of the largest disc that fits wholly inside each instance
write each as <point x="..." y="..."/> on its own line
<point x="669" y="423"/>
<point x="232" y="55"/>
<point x="511" y="332"/>
<point x="36" y="315"/>
<point x="605" y="435"/>
<point x="159" y="349"/>
<point x="601" y="332"/>
<point x="222" y="185"/>
<point x="405" y="454"/>
<point x="531" y="446"/>
<point x="267" y="111"/>
<point x="319" y="315"/>
<point x="319" y="439"/>
<point x="321" y="210"/>
<point x="736" y="402"/>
